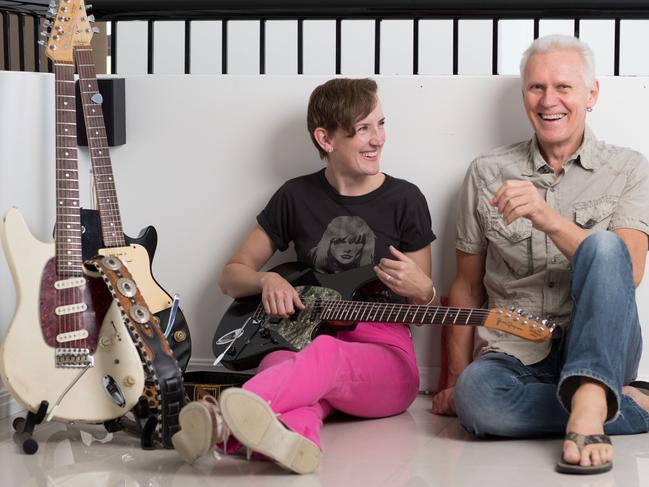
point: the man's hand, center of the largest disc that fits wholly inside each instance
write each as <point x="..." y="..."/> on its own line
<point x="404" y="277"/>
<point x="279" y="298"/>
<point x="516" y="199"/>
<point x="443" y="403"/>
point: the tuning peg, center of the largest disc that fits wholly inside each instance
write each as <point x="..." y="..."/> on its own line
<point x="91" y="18"/>
<point x="52" y="4"/>
<point x="544" y="322"/>
<point x="519" y="311"/>
<point x="47" y="23"/>
<point x="42" y="42"/>
<point x="96" y="30"/>
<point x="45" y="33"/>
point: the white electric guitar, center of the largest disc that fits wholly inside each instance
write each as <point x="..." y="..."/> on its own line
<point x="67" y="343"/>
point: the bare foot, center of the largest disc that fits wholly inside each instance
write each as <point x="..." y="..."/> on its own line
<point x="588" y="413"/>
<point x="640" y="398"/>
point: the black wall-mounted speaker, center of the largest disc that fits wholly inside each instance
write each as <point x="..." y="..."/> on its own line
<point x="114" y="107"/>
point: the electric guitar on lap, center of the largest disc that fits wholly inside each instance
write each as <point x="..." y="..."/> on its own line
<point x="246" y="334"/>
<point x="67" y="344"/>
<point x="103" y="232"/>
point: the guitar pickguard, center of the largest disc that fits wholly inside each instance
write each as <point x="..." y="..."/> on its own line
<point x="302" y="327"/>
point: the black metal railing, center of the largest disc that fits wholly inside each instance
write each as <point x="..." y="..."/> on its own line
<point x="115" y="11"/>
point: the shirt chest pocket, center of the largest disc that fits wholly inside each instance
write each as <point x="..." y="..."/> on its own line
<point x="595" y="214"/>
<point x="512" y="243"/>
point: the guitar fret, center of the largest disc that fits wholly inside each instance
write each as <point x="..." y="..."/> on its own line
<point x="457" y="313"/>
<point x="392" y="310"/>
<point x="382" y="313"/>
<point x="368" y="313"/>
<point x="426" y="310"/>
<point x="436" y="311"/>
<point x="444" y="317"/>
<point x="414" y="313"/>
<point x="468" y="317"/>
<point x="347" y="310"/>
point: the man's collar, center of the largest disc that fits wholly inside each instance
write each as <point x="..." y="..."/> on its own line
<point x="583" y="155"/>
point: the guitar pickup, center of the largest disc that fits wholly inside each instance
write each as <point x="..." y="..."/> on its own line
<point x="71" y="336"/>
<point x="69" y="309"/>
<point x="70" y="283"/>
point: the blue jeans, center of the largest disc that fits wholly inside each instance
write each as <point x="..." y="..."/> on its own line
<point x="498" y="395"/>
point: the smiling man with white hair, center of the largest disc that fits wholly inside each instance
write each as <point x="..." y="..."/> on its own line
<point x="557" y="226"/>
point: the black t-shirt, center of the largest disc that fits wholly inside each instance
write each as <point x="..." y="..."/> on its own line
<point x="332" y="233"/>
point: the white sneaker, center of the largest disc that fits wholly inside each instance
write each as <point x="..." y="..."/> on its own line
<point x="201" y="427"/>
<point x="255" y="425"/>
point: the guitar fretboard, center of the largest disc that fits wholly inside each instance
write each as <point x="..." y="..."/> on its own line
<point x="111" y="221"/>
<point x="68" y="215"/>
<point x="372" y="312"/>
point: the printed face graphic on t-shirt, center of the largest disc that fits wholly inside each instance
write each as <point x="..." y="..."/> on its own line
<point x="347" y="249"/>
<point x="347" y="242"/>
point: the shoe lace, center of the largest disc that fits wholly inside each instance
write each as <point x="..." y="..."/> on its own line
<point x="220" y="431"/>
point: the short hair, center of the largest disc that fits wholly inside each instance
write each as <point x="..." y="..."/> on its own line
<point x="557" y="42"/>
<point x="340" y="103"/>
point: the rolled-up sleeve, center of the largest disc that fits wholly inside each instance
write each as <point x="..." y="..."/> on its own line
<point x="633" y="206"/>
<point x="470" y="236"/>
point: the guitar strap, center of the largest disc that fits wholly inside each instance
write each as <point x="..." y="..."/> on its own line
<point x="164" y="385"/>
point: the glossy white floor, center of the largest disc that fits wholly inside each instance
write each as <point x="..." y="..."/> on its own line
<point x="415" y="449"/>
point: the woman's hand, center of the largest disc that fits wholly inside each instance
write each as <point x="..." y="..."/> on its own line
<point x="405" y="278"/>
<point x="279" y="298"/>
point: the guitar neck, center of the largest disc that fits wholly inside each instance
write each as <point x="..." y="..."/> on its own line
<point x="111" y="221"/>
<point x="372" y="312"/>
<point x="68" y="214"/>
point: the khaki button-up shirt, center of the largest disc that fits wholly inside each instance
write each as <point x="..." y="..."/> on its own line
<point x="601" y="187"/>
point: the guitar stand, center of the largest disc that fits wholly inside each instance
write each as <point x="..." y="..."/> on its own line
<point x="143" y="424"/>
<point x="24" y="428"/>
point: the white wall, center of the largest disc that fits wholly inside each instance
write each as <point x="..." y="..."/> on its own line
<point x="204" y="154"/>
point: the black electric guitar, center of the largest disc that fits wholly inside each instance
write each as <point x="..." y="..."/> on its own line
<point x="103" y="232"/>
<point x="246" y="334"/>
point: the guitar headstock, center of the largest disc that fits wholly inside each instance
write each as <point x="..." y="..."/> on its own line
<point x="516" y="322"/>
<point x="84" y="31"/>
<point x="63" y="17"/>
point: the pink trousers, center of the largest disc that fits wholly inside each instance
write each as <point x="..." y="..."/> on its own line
<point x="370" y="372"/>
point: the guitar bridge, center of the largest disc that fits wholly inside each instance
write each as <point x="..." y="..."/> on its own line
<point x="73" y="358"/>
